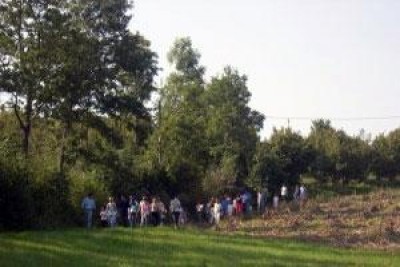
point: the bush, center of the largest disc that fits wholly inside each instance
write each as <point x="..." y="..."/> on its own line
<point x="50" y="201"/>
<point x="15" y="197"/>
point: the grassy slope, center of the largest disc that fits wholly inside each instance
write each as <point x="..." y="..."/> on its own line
<point x="167" y="247"/>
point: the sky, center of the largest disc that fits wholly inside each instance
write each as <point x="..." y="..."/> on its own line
<point x="329" y="59"/>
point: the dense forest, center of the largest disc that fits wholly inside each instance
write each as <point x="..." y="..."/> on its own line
<point x="81" y="113"/>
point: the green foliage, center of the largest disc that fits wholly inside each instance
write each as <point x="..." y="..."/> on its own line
<point x="338" y="157"/>
<point x="76" y="80"/>
<point x="77" y="84"/>
<point x="221" y="179"/>
<point x="386" y="155"/>
<point x="280" y="160"/>
<point x="325" y="144"/>
<point x="353" y="158"/>
<point x="186" y="59"/>
<point x="15" y="197"/>
<point x="232" y="126"/>
<point x="80" y="184"/>
<point x="177" y="147"/>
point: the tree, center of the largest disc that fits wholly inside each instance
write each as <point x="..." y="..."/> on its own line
<point x="232" y="126"/>
<point x="177" y="147"/>
<point x="325" y="144"/>
<point x="104" y="70"/>
<point x="386" y="155"/>
<point x="281" y="160"/>
<point x="186" y="60"/>
<point x="23" y="69"/>
<point x="353" y="158"/>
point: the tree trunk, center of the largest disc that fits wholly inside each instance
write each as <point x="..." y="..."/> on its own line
<point x="28" y="124"/>
<point x="25" y="126"/>
<point x="64" y="137"/>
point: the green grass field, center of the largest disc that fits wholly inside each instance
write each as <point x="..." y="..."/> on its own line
<point x="168" y="247"/>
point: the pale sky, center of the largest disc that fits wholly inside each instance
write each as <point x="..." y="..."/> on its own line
<point x="303" y="58"/>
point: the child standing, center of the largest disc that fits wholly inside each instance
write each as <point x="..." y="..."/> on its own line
<point x="103" y="216"/>
<point x="111" y="210"/>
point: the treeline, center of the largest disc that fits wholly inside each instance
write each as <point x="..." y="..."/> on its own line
<point x="329" y="155"/>
<point x="82" y="114"/>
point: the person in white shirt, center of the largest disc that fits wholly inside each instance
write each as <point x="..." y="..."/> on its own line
<point x="89" y="206"/>
<point x="217" y="212"/>
<point x="259" y="199"/>
<point x="284" y="192"/>
<point x="302" y="195"/>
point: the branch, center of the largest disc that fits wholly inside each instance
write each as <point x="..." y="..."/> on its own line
<point x="21" y="123"/>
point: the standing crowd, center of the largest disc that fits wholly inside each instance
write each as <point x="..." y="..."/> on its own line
<point x="241" y="204"/>
<point x="131" y="211"/>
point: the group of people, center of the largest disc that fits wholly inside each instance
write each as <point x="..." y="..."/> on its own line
<point x="299" y="195"/>
<point x="131" y="211"/>
<point x="217" y="208"/>
<point x="242" y="204"/>
<point x="152" y="211"/>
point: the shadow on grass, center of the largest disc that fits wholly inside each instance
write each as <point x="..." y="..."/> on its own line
<point x="166" y="247"/>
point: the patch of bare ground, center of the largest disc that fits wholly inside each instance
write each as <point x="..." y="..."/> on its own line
<point x="367" y="221"/>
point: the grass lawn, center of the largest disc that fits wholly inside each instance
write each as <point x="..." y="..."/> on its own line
<point x="169" y="247"/>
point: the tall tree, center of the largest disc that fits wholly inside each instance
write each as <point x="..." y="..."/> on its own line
<point x="23" y="71"/>
<point x="232" y="126"/>
<point x="177" y="145"/>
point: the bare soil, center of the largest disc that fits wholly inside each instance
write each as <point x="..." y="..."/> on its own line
<point x="367" y="221"/>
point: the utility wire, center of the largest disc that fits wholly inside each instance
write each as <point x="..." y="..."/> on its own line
<point x="333" y="118"/>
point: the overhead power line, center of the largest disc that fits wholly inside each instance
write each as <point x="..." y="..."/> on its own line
<point x="333" y="118"/>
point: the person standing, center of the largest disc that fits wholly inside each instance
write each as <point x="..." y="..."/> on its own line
<point x="122" y="207"/>
<point x="161" y="210"/>
<point x="144" y="209"/>
<point x="132" y="211"/>
<point x="259" y="199"/>
<point x="224" y="206"/>
<point x="302" y="195"/>
<point x="89" y="206"/>
<point x="275" y="201"/>
<point x="199" y="211"/>
<point x="175" y="209"/>
<point x="154" y="212"/>
<point x="217" y="212"/>
<point x="284" y="193"/>
<point x="239" y="206"/>
<point x="263" y="200"/>
<point x="296" y="194"/>
<point x="111" y="210"/>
